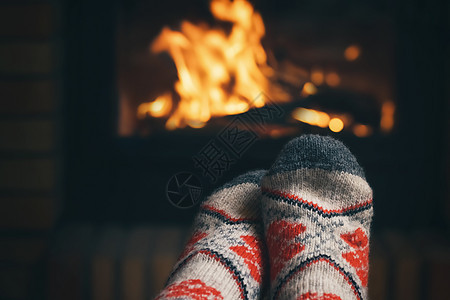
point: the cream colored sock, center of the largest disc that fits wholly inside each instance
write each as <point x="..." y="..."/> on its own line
<point x="225" y="257"/>
<point x="317" y="211"/>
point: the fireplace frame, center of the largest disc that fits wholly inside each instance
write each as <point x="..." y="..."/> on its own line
<point x="115" y="179"/>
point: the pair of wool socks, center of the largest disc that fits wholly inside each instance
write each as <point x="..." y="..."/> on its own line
<point x="299" y="231"/>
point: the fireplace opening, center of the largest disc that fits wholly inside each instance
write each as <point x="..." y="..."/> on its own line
<point x="188" y="73"/>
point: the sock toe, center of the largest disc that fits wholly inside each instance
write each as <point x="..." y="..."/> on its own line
<point x="238" y="198"/>
<point x="249" y="177"/>
<point x="316" y="152"/>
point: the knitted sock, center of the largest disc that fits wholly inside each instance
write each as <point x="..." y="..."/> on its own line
<point x="317" y="210"/>
<point x="224" y="258"/>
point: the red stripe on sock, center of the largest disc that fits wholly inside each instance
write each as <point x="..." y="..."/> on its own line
<point x="327" y="211"/>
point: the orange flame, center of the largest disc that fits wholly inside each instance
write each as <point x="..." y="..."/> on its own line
<point x="219" y="73"/>
<point x="158" y="108"/>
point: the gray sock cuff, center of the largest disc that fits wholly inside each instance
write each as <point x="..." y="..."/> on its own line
<point x="314" y="151"/>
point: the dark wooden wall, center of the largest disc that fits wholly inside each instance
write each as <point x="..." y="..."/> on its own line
<point x="30" y="146"/>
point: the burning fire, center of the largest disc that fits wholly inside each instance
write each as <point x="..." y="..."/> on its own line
<point x="225" y="72"/>
<point x="219" y="73"/>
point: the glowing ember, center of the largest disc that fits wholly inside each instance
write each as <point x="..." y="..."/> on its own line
<point x="317" y="76"/>
<point x="361" y="130"/>
<point x="352" y="52"/>
<point x="311" y="117"/>
<point x="336" y="125"/>
<point x="309" y="89"/>
<point x="321" y="119"/>
<point x="219" y="73"/>
<point x="332" y="79"/>
<point x="387" y="116"/>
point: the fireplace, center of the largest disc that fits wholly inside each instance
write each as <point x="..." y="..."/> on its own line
<point x="329" y="68"/>
<point x="326" y="73"/>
